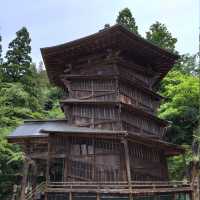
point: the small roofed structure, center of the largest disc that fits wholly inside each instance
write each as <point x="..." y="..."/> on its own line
<point x="111" y="143"/>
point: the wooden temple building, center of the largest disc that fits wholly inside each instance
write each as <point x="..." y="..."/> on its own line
<point x="110" y="146"/>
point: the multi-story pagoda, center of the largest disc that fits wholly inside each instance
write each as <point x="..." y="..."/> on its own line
<point x="111" y="144"/>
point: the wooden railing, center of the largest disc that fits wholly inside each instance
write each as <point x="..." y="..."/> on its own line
<point x="135" y="187"/>
<point x="38" y="189"/>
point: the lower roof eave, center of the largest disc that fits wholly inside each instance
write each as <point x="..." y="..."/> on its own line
<point x="92" y="132"/>
<point x="22" y="139"/>
<point x="168" y="148"/>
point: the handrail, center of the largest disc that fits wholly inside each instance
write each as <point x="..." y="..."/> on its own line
<point x="123" y="182"/>
<point x="111" y="186"/>
<point x="38" y="189"/>
<point x="135" y="186"/>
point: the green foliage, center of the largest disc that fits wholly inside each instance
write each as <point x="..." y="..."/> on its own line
<point x="24" y="94"/>
<point x="17" y="104"/>
<point x="18" y="60"/>
<point x="10" y="164"/>
<point x="181" y="106"/>
<point x="187" y="64"/>
<point x="181" y="88"/>
<point x="55" y="112"/>
<point x="1" y="60"/>
<point x="160" y="36"/>
<point x="50" y="96"/>
<point x="178" y="165"/>
<point x="126" y="19"/>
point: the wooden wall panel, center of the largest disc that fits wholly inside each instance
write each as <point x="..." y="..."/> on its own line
<point x="88" y="158"/>
<point x="146" y="163"/>
<point x="112" y="90"/>
<point x="134" y="96"/>
<point x="134" y="123"/>
<point x="134" y="76"/>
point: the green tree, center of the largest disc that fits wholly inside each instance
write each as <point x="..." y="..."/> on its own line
<point x="1" y="60"/>
<point x="126" y="19"/>
<point x="159" y="35"/>
<point x="18" y="67"/>
<point x="181" y="106"/>
<point x="18" y="60"/>
<point x="24" y="94"/>
<point x="187" y="64"/>
<point x="10" y="165"/>
<point x="179" y="165"/>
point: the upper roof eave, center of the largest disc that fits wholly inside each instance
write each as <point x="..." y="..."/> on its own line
<point x="103" y="32"/>
<point x="114" y="37"/>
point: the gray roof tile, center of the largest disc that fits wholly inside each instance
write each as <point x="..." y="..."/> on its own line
<point x="42" y="128"/>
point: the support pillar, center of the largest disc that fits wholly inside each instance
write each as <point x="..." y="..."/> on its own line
<point x="48" y="160"/>
<point x="127" y="163"/>
<point x="24" y="179"/>
<point x="98" y="196"/>
<point x="70" y="195"/>
<point x="195" y="180"/>
<point x="34" y="181"/>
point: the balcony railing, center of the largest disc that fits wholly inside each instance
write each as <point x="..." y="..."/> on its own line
<point x="136" y="187"/>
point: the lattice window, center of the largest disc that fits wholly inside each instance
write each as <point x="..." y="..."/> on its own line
<point x="134" y="96"/>
<point x="96" y="112"/>
<point x="93" y="85"/>
<point x="144" y="125"/>
<point x="143" y="152"/>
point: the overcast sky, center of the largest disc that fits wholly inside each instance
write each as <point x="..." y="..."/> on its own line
<point x="51" y="22"/>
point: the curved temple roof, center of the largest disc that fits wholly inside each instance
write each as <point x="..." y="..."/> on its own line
<point x="116" y="37"/>
<point x="42" y="128"/>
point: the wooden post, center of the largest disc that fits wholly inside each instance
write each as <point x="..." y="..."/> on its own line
<point x="24" y="179"/>
<point x="70" y="195"/>
<point x="34" y="182"/>
<point x="67" y="149"/>
<point x="175" y="196"/>
<point x="195" y="180"/>
<point x="93" y="159"/>
<point x="195" y="192"/>
<point x="128" y="170"/>
<point x="98" y="196"/>
<point x="46" y="196"/>
<point x="48" y="160"/>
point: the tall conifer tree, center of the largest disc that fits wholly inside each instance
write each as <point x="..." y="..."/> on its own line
<point x="18" y="60"/>
<point x="159" y="35"/>
<point x="126" y="19"/>
<point x="1" y="60"/>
